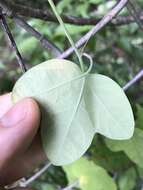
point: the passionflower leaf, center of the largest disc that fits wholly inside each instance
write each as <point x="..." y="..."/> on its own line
<point x="66" y="128"/>
<point x="74" y="106"/>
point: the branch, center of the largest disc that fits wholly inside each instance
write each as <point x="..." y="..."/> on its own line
<point x="35" y="176"/>
<point x="134" y="80"/>
<point x="12" y="41"/>
<point x="104" y="21"/>
<point x="46" y="15"/>
<point x="45" y="43"/>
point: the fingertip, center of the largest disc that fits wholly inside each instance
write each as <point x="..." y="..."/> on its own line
<point x="18" y="128"/>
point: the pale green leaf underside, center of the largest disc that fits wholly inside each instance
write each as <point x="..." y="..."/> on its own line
<point x="89" y="175"/>
<point x="74" y="108"/>
<point x="133" y="147"/>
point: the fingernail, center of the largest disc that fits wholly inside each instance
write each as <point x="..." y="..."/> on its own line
<point x="15" y="115"/>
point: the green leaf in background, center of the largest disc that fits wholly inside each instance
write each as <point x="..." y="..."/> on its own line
<point x="108" y="107"/>
<point x="133" y="147"/>
<point x="67" y="131"/>
<point x="127" y="180"/>
<point x="89" y="175"/>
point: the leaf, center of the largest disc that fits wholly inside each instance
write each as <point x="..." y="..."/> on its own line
<point x="89" y="175"/>
<point x="67" y="131"/>
<point x="72" y="106"/>
<point x="133" y="147"/>
<point x="108" y="107"/>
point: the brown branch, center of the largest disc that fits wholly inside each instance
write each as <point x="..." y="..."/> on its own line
<point x="46" y="15"/>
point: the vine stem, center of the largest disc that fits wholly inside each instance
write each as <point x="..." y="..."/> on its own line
<point x="66" y="32"/>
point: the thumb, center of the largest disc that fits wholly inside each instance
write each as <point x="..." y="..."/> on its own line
<point x="17" y="129"/>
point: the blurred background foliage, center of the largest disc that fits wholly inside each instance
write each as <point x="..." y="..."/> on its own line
<point x="117" y="52"/>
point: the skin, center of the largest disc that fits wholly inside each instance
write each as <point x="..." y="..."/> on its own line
<point x="20" y="145"/>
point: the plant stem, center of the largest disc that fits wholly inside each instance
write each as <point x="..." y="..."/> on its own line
<point x="66" y="32"/>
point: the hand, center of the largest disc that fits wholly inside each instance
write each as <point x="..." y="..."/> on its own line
<point x="20" y="145"/>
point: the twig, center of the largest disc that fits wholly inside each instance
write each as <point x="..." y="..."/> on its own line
<point x="12" y="41"/>
<point x="132" y="10"/>
<point x="35" y="176"/>
<point x="105" y="20"/>
<point x="25" y="183"/>
<point x="45" y="43"/>
<point x="46" y="15"/>
<point x="133" y="81"/>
